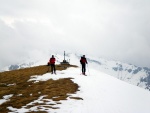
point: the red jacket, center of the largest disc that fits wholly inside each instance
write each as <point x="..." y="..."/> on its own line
<point x="83" y="60"/>
<point x="52" y="61"/>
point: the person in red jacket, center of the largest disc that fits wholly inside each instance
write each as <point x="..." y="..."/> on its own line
<point x="83" y="62"/>
<point x="52" y="63"/>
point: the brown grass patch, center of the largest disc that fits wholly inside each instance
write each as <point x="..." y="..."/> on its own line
<point x="15" y="82"/>
<point x="76" y="98"/>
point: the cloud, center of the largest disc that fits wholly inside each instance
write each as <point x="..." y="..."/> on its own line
<point x="112" y="28"/>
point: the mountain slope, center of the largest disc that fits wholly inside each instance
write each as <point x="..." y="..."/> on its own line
<point x="16" y="90"/>
<point x="97" y="93"/>
<point x="139" y="76"/>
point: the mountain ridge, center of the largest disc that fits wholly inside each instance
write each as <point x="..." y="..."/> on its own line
<point x="139" y="76"/>
<point x="69" y="91"/>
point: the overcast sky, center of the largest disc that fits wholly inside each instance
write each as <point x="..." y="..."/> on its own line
<point x="118" y="29"/>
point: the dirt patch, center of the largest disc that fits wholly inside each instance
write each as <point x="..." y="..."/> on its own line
<point x="15" y="82"/>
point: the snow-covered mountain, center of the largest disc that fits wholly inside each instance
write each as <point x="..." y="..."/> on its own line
<point x="100" y="93"/>
<point x="139" y="76"/>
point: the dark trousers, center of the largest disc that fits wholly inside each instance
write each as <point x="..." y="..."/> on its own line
<point x="83" y="68"/>
<point x="53" y="68"/>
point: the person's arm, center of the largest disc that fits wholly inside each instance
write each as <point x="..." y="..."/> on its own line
<point x="54" y="60"/>
<point x="80" y="61"/>
<point x="86" y="61"/>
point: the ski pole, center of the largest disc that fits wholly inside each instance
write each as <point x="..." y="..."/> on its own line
<point x="88" y="69"/>
<point x="80" y="69"/>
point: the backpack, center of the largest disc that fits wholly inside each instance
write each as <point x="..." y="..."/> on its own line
<point x="83" y="60"/>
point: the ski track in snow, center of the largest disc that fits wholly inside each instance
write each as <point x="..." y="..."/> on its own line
<point x="101" y="93"/>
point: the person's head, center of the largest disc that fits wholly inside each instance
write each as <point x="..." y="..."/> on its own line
<point x="84" y="56"/>
<point x="52" y="56"/>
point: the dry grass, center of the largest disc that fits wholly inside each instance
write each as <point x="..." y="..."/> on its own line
<point x="16" y="82"/>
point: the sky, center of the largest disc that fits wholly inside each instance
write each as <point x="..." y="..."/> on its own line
<point x="116" y="29"/>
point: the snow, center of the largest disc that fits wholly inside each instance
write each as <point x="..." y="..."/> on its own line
<point x="5" y="98"/>
<point x="101" y="93"/>
<point x="127" y="73"/>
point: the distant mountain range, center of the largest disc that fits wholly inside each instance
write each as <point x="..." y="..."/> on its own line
<point x="139" y="76"/>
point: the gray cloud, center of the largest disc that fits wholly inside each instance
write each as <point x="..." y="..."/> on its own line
<point x="110" y="28"/>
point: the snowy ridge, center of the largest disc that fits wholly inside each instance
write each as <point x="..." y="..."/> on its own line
<point x="101" y="93"/>
<point x="139" y="76"/>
